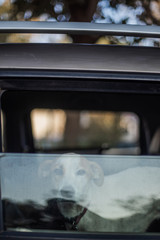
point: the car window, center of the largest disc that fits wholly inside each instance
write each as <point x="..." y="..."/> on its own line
<point x="85" y="193"/>
<point x="104" y="132"/>
<point x="58" y="122"/>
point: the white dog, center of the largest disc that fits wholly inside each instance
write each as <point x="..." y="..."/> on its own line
<point x="124" y="202"/>
<point x="73" y="176"/>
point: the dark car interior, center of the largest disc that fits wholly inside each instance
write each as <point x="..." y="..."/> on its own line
<point x="139" y="111"/>
<point x="18" y="130"/>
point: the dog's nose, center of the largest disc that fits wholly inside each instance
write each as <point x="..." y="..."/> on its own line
<point x="68" y="192"/>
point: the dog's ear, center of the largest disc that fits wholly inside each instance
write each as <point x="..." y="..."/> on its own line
<point x="45" y="168"/>
<point x="97" y="173"/>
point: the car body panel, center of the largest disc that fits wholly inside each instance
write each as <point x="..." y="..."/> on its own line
<point x="75" y="57"/>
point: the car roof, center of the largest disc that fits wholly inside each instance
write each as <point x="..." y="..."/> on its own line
<point x="76" y="57"/>
<point x="93" y="61"/>
<point x="79" y="57"/>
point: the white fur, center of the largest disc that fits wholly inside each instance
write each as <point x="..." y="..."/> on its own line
<point x="122" y="202"/>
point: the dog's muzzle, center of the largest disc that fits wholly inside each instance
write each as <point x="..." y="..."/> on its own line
<point x="67" y="192"/>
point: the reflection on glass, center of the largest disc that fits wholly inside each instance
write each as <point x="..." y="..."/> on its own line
<point x="80" y="193"/>
<point x="105" y="132"/>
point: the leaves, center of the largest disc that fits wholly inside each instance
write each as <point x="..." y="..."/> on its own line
<point x="108" y="11"/>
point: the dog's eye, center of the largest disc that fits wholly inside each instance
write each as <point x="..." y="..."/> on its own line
<point x="81" y="172"/>
<point x="58" y="171"/>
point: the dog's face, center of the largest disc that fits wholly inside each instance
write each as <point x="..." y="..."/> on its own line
<point x="72" y="177"/>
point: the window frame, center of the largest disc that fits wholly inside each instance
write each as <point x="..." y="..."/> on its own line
<point x="66" y="235"/>
<point x="71" y="80"/>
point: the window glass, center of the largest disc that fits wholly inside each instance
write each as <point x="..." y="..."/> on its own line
<point x="86" y="193"/>
<point x="104" y="132"/>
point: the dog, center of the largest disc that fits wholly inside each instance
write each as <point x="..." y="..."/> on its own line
<point x="128" y="201"/>
<point x="74" y="176"/>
